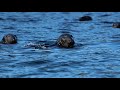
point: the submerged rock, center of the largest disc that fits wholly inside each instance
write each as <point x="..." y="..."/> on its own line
<point x="116" y="25"/>
<point x="85" y="18"/>
<point x="9" y="39"/>
<point x="65" y="41"/>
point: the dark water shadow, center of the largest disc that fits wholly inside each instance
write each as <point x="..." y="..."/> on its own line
<point x="2" y="19"/>
<point x="9" y="28"/>
<point x="5" y="70"/>
<point x="115" y="39"/>
<point x="107" y="22"/>
<point x="28" y="75"/>
<point x="32" y="63"/>
<point x="13" y="19"/>
<point x="117" y="36"/>
<point x="105" y="15"/>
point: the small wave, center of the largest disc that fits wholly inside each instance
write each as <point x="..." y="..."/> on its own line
<point x="10" y="27"/>
<point x="32" y="63"/>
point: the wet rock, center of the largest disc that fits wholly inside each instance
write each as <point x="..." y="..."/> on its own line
<point x="85" y="18"/>
<point x="9" y="39"/>
<point x="116" y="25"/>
<point x="65" y="41"/>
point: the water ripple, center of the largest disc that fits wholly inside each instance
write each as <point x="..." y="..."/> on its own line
<point x="96" y="53"/>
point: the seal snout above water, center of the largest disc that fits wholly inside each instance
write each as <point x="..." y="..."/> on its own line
<point x="9" y="39"/>
<point x="85" y="18"/>
<point x="66" y="41"/>
<point x="116" y="25"/>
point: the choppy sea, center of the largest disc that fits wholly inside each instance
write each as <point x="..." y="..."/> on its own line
<point x="98" y="57"/>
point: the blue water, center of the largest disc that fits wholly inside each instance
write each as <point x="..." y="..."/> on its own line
<point x="98" y="57"/>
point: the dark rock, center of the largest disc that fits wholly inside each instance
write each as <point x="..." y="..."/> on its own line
<point x="116" y="25"/>
<point x="65" y="41"/>
<point x="9" y="39"/>
<point x="85" y="18"/>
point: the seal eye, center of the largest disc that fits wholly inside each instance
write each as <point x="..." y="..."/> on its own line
<point x="71" y="35"/>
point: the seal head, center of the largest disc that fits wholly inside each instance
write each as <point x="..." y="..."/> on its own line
<point x="9" y="39"/>
<point x="65" y="41"/>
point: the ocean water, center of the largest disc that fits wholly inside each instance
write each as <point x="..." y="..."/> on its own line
<point x="97" y="57"/>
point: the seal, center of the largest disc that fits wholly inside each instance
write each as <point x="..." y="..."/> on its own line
<point x="9" y="39"/>
<point x="85" y="18"/>
<point x="116" y="25"/>
<point x="65" y="41"/>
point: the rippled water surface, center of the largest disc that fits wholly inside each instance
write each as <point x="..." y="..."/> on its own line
<point x="97" y="57"/>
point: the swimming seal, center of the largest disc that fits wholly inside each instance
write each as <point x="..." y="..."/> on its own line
<point x="65" y="41"/>
<point x="9" y="39"/>
<point x="85" y="18"/>
<point x="116" y="25"/>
